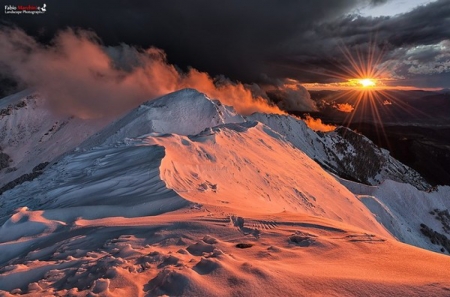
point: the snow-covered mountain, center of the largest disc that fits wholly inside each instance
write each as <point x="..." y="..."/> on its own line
<point x="31" y="134"/>
<point x="408" y="213"/>
<point x="344" y="152"/>
<point x="186" y="112"/>
<point x="182" y="196"/>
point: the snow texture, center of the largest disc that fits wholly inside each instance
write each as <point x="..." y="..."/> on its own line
<point x="184" y="197"/>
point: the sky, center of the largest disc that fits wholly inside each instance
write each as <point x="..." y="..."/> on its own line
<point x="390" y="8"/>
<point x="263" y="44"/>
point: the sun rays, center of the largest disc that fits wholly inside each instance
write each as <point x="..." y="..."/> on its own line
<point x="367" y="86"/>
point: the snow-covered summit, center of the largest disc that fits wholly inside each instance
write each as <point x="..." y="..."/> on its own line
<point x="185" y="112"/>
<point x="31" y="134"/>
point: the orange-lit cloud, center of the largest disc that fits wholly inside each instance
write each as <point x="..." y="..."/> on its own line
<point x="317" y="124"/>
<point x="344" y="107"/>
<point x="81" y="77"/>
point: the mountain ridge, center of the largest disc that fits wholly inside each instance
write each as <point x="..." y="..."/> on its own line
<point x="214" y="203"/>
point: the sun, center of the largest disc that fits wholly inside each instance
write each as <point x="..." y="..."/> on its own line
<point x="367" y="82"/>
<point x="364" y="83"/>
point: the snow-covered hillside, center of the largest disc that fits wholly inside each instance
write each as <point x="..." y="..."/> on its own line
<point x="31" y="134"/>
<point x="343" y="152"/>
<point x="403" y="210"/>
<point x="184" y="197"/>
<point x="185" y="112"/>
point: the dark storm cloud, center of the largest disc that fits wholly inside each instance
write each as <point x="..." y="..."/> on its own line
<point x="378" y="2"/>
<point x="424" y="25"/>
<point x="235" y="38"/>
<point x="420" y="37"/>
<point x="420" y="60"/>
<point x="251" y="41"/>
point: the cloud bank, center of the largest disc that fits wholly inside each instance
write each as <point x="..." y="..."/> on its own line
<point x="81" y="77"/>
<point x="290" y="96"/>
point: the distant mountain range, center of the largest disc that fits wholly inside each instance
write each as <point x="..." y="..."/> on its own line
<point x="387" y="107"/>
<point x="413" y="125"/>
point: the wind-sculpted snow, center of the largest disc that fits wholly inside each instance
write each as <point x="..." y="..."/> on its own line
<point x="183" y="112"/>
<point x="262" y="172"/>
<point x="129" y="179"/>
<point x="104" y="182"/>
<point x="33" y="134"/>
<point x="184" y="197"/>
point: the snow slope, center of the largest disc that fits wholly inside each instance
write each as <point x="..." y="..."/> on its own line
<point x="30" y="133"/>
<point x="343" y="152"/>
<point x="402" y="209"/>
<point x="208" y="206"/>
<point x="184" y="112"/>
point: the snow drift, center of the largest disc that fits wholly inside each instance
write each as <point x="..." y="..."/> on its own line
<point x="184" y="197"/>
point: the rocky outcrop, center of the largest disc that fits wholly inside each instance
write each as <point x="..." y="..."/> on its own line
<point x="343" y="152"/>
<point x="436" y="237"/>
<point x="38" y="170"/>
<point x="9" y="109"/>
<point x="5" y="160"/>
<point x="363" y="161"/>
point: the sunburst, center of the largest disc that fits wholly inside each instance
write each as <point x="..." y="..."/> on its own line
<point x="363" y="82"/>
<point x="367" y="82"/>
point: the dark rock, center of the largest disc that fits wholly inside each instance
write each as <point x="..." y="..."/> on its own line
<point x="20" y="104"/>
<point x="40" y="166"/>
<point x="5" y="159"/>
<point x="435" y="237"/>
<point x="38" y="170"/>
